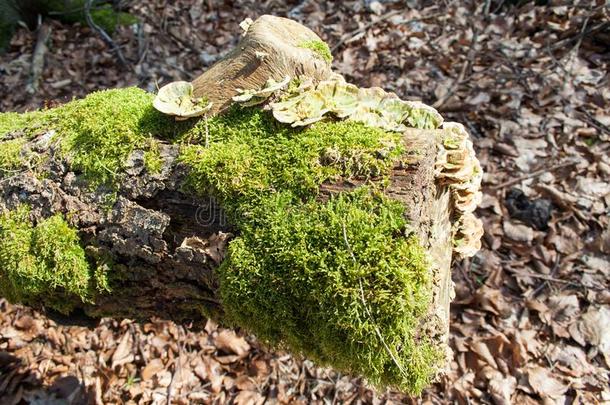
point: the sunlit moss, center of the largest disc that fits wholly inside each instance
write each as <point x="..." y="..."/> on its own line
<point x="249" y="152"/>
<point x="343" y="283"/>
<point x="11" y="122"/>
<point x="99" y="132"/>
<point x="10" y="156"/>
<point x="43" y="263"/>
<point x="319" y="48"/>
<point x="152" y="157"/>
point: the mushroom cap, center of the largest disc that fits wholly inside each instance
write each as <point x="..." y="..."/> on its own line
<point x="176" y="99"/>
<point x="468" y="233"/>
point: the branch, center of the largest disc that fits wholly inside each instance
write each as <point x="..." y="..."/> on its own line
<point x="103" y="34"/>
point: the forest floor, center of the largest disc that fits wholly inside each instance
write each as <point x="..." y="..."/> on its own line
<point x="531" y="320"/>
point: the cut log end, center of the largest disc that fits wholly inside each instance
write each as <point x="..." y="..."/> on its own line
<point x="271" y="48"/>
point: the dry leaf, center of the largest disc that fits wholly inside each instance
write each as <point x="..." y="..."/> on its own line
<point x="518" y="232"/>
<point x="152" y="368"/>
<point x="228" y="341"/>
<point x="122" y="354"/>
<point x="544" y="383"/>
<point x="249" y="398"/>
<point x="594" y="329"/>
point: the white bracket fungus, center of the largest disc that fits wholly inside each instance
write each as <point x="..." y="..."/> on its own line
<point x="176" y="99"/>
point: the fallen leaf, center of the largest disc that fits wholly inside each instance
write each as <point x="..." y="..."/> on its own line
<point x="122" y="354"/>
<point x="229" y="342"/>
<point x="544" y="383"/>
<point x="152" y="368"/>
<point x="518" y="232"/>
<point x="249" y="398"/>
<point x="594" y="329"/>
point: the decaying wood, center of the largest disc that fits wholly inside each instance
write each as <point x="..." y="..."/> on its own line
<point x="166" y="244"/>
<point x="269" y="49"/>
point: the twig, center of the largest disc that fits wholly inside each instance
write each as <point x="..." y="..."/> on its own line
<point x="593" y="121"/>
<point x="539" y="276"/>
<point x="539" y="289"/>
<point x="562" y="43"/>
<point x="533" y="174"/>
<point x="44" y="32"/>
<point x="351" y="35"/>
<point x="105" y="37"/>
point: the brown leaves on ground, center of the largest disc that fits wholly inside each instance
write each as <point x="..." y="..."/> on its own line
<point x="530" y="320"/>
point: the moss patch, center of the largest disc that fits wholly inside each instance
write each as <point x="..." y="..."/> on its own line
<point x="11" y="122"/>
<point x="43" y="264"/>
<point x="342" y="283"/>
<point x="249" y="152"/>
<point x="99" y="132"/>
<point x="319" y="48"/>
<point x="10" y="156"/>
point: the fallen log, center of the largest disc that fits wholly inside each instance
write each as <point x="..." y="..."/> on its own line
<point x="268" y="194"/>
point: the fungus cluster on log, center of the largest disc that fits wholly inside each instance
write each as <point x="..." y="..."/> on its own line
<point x="269" y="194"/>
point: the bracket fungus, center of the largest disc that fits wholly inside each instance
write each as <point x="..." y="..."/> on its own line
<point x="458" y="167"/>
<point x="250" y="98"/>
<point x="176" y="99"/>
<point x="305" y="103"/>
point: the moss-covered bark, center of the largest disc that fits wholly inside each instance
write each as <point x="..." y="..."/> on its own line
<point x="331" y="237"/>
<point x="343" y="277"/>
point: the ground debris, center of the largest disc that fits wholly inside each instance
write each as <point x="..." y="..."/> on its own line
<point x="530" y="320"/>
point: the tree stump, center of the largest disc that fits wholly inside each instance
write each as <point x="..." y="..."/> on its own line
<point x="333" y="237"/>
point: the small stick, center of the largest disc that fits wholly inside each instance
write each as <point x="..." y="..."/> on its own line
<point x="533" y="174"/>
<point x="44" y="32"/>
<point x="539" y="289"/>
<point x="107" y="39"/>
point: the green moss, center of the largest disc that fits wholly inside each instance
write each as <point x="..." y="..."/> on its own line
<point x="327" y="280"/>
<point x="72" y="11"/>
<point x="100" y="131"/>
<point x="10" y="156"/>
<point x="109" y="19"/>
<point x="249" y="152"/>
<point x="319" y="48"/>
<point x="42" y="263"/>
<point x="152" y="157"/>
<point x="11" y="122"/>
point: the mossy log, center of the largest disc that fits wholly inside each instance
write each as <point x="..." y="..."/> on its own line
<point x="334" y="240"/>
